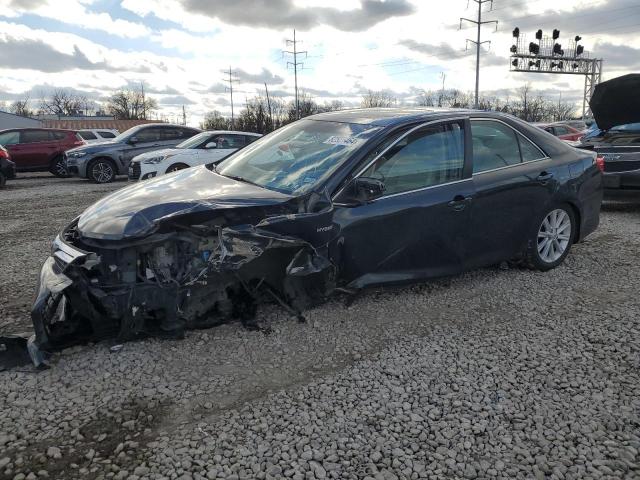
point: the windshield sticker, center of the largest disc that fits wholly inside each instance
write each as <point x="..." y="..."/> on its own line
<point x="344" y="141"/>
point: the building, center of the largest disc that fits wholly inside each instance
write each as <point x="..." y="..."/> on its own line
<point x="82" y="123"/>
<point x="9" y="120"/>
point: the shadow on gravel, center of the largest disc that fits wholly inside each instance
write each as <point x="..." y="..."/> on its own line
<point x="110" y="436"/>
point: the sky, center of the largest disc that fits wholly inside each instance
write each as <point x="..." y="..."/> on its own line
<point x="179" y="49"/>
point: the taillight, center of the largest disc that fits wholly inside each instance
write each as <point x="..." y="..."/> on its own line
<point x="600" y="163"/>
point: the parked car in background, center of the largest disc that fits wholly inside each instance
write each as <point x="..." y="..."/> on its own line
<point x="98" y="135"/>
<point x="563" y="132"/>
<point x="7" y="167"/>
<point x="101" y="162"/>
<point x="579" y="125"/>
<point x="201" y="149"/>
<point x="39" y="149"/>
<point x="616" y="138"/>
<point x="349" y="199"/>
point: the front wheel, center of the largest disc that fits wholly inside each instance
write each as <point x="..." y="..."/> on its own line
<point x="58" y="168"/>
<point x="553" y="238"/>
<point x="101" y="170"/>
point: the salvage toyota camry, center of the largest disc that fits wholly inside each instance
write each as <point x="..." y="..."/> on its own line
<point x="341" y="200"/>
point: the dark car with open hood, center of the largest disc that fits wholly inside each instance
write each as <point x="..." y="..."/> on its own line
<point x="337" y="201"/>
<point x="616" y="108"/>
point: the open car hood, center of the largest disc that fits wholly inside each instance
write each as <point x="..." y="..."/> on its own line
<point x="617" y="101"/>
<point x="135" y="211"/>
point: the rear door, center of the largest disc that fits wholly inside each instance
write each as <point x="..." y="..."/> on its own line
<point x="37" y="148"/>
<point x="418" y="228"/>
<point x="148" y="139"/>
<point x="513" y="181"/>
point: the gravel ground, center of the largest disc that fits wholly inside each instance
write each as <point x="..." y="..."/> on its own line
<point x="492" y="374"/>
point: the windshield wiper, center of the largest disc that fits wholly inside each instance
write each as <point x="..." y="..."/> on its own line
<point x="241" y="179"/>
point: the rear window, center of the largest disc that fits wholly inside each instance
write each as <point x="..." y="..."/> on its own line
<point x="34" y="136"/>
<point x="57" y="135"/>
<point x="86" y="135"/>
<point x="106" y="134"/>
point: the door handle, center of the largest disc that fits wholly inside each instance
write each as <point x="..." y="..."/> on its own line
<point x="545" y="176"/>
<point x="459" y="202"/>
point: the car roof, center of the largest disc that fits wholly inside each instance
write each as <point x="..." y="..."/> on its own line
<point x="390" y="116"/>
<point x="38" y="128"/>
<point x="236" y="132"/>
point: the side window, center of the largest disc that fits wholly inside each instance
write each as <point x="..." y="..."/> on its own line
<point x="87" y="135"/>
<point x="494" y="145"/>
<point x="9" y="138"/>
<point x="424" y="158"/>
<point x="528" y="150"/>
<point x="229" y="141"/>
<point x="249" y="139"/>
<point x="188" y="132"/>
<point x="562" y="131"/>
<point x="106" y="134"/>
<point x="152" y="134"/>
<point x="34" y="136"/>
<point x="57" y="135"/>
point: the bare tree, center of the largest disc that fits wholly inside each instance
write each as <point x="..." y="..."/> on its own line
<point x="377" y="99"/>
<point x="131" y="105"/>
<point x="62" y="102"/>
<point x="21" y="107"/>
<point x="215" y="121"/>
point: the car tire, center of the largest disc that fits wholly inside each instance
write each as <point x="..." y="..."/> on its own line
<point x="3" y="180"/>
<point x="552" y="236"/>
<point x="176" y="166"/>
<point x="101" y="170"/>
<point x="58" y="167"/>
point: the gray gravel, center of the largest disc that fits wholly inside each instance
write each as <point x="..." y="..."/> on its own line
<point x="492" y="374"/>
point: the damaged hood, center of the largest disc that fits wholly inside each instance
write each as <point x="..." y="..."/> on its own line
<point x="617" y="101"/>
<point x="135" y="211"/>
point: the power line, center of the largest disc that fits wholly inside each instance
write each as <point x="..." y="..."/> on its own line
<point x="477" y="42"/>
<point x="295" y="64"/>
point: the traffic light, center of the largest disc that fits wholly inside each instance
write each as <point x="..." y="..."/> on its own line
<point x="515" y="62"/>
<point x="539" y="34"/>
<point x="578" y="38"/>
<point x="534" y="48"/>
<point x="557" y="49"/>
<point x="556" y="33"/>
<point x="516" y="32"/>
<point x="579" y="50"/>
<point x="513" y="49"/>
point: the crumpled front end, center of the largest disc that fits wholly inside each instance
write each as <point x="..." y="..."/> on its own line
<point x="180" y="277"/>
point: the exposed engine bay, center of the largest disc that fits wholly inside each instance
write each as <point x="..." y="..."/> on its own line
<point x="181" y="276"/>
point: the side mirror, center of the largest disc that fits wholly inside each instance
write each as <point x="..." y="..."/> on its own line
<point x="211" y="145"/>
<point x="361" y="190"/>
<point x="132" y="140"/>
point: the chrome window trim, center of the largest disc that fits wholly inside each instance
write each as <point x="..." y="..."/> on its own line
<point x="392" y="144"/>
<point x="518" y="132"/>
<point x="421" y="189"/>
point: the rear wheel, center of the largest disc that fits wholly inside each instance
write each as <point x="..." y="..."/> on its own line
<point x="101" y="170"/>
<point x="553" y="238"/>
<point x="58" y="167"/>
<point x="176" y="166"/>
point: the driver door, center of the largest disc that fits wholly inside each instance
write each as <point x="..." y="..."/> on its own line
<point x="417" y="228"/>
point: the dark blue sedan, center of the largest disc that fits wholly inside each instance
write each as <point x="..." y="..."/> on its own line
<point x="341" y="200"/>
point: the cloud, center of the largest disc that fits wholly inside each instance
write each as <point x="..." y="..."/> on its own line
<point x="285" y="13"/>
<point x="263" y="77"/>
<point x="176" y="100"/>
<point x="37" y="55"/>
<point x="442" y="50"/>
<point x="617" y="56"/>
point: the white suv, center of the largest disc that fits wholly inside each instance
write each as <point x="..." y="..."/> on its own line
<point x="94" y="135"/>
<point x="204" y="148"/>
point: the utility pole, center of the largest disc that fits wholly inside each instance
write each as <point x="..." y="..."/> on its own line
<point x="184" y="116"/>
<point x="477" y="42"/>
<point x="230" y="88"/>
<point x="144" y="103"/>
<point x="269" y="105"/>
<point x="295" y="64"/>
<point x="443" y="76"/>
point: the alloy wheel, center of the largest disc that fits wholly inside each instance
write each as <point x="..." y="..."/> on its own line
<point x="102" y="172"/>
<point x="554" y="235"/>
<point x="59" y="169"/>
